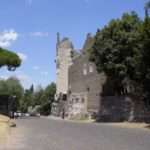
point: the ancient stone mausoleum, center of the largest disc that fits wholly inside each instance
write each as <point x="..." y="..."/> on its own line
<point x="78" y="85"/>
<point x="80" y="89"/>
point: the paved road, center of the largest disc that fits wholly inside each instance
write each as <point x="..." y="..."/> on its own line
<point x="49" y="134"/>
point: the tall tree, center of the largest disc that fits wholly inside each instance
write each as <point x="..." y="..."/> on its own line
<point x="146" y="53"/>
<point x="28" y="99"/>
<point x="13" y="88"/>
<point x="50" y="91"/>
<point x="38" y="96"/>
<point x="47" y="99"/>
<point x="116" y="50"/>
<point x="25" y="101"/>
<point x="3" y="88"/>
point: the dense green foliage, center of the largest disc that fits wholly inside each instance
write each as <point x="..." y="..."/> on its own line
<point x="48" y="98"/>
<point x="145" y="69"/>
<point x="23" y="99"/>
<point x="117" y="49"/>
<point x="40" y="97"/>
<point x="26" y="100"/>
<point x="13" y="89"/>
<point x="122" y="51"/>
<point x="9" y="59"/>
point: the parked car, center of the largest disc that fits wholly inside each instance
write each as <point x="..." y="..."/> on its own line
<point x="27" y="114"/>
<point x="17" y="114"/>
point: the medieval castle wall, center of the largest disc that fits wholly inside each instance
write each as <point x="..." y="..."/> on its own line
<point x="77" y="78"/>
<point x="85" y="86"/>
<point x="80" y="88"/>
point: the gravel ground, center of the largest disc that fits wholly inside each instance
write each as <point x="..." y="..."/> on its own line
<point x="50" y="134"/>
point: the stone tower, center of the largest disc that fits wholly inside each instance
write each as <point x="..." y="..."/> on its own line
<point x="64" y="49"/>
<point x="64" y="56"/>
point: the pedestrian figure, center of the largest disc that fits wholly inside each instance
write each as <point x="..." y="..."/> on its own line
<point x="63" y="114"/>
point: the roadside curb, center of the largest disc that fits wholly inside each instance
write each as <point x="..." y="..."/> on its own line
<point x="142" y="126"/>
<point x="6" y="120"/>
<point x="69" y="120"/>
<point x="4" y="128"/>
<point x="127" y="125"/>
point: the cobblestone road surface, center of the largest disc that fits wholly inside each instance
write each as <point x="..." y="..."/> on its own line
<point x="49" y="134"/>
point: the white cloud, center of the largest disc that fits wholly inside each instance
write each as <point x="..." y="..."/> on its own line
<point x="39" y="34"/>
<point x="22" y="56"/>
<point x="36" y="68"/>
<point x="44" y="73"/>
<point x="7" y="37"/>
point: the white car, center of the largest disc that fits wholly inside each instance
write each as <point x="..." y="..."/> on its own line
<point x="27" y="115"/>
<point x="17" y="114"/>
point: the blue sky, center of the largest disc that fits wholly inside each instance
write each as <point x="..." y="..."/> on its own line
<point x="29" y="28"/>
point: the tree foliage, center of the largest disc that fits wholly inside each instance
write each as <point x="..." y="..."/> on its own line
<point x="42" y="97"/>
<point x="116" y="49"/>
<point x="45" y="97"/>
<point x="27" y="99"/>
<point x="13" y="88"/>
<point x="50" y="91"/>
<point x="145" y="69"/>
<point x="38" y="96"/>
<point x="9" y="59"/>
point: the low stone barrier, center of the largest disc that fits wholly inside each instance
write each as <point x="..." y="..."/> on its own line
<point x="4" y="128"/>
<point x="123" y="108"/>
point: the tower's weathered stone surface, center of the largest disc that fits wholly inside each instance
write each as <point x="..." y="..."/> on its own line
<point x="63" y="61"/>
<point x="85" y="84"/>
<point x="64" y="51"/>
